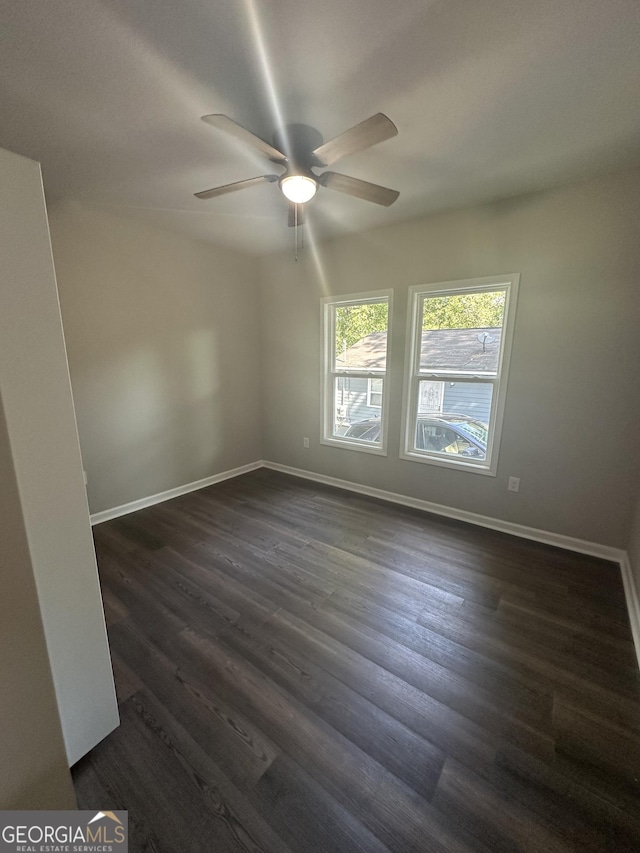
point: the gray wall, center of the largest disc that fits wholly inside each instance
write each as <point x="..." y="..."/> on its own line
<point x="164" y="354"/>
<point x="33" y="764"/>
<point x="573" y="405"/>
<point x="38" y="407"/>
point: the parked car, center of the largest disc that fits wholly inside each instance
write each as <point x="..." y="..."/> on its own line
<point x="446" y="433"/>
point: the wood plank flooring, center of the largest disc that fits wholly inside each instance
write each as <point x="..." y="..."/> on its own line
<point x="304" y="669"/>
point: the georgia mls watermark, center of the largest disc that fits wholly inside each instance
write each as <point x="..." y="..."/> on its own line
<point x="64" y="832"/>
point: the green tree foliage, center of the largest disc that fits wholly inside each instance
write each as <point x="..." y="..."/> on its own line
<point x="459" y="311"/>
<point x="354" y="322"/>
<point x="464" y="311"/>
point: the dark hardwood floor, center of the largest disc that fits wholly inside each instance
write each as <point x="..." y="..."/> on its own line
<point x="303" y="669"/>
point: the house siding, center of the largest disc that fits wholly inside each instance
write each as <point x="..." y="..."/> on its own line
<point x="469" y="399"/>
<point x="463" y="398"/>
<point x="355" y="401"/>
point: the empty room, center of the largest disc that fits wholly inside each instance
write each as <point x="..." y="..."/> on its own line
<point x="319" y="424"/>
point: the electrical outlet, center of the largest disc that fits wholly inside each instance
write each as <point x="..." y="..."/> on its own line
<point x="305" y="442"/>
<point x="514" y="484"/>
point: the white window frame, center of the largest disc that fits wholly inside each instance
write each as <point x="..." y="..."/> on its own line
<point x="370" y="393"/>
<point x="489" y="466"/>
<point x="330" y="373"/>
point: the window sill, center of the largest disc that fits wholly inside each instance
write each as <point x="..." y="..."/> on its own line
<point x="362" y="447"/>
<point x="454" y="464"/>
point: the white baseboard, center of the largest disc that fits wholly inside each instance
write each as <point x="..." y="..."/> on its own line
<point x="581" y="546"/>
<point x="125" y="509"/>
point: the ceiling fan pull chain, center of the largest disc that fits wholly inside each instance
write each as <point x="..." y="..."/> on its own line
<point x="295" y="228"/>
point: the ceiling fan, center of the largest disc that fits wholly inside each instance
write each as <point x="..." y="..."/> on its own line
<point x="295" y="149"/>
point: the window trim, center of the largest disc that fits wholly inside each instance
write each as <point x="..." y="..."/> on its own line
<point x="489" y="466"/>
<point x="328" y="373"/>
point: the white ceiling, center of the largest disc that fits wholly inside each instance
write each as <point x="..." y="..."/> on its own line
<point x="491" y="98"/>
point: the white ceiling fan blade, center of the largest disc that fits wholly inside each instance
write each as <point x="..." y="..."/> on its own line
<point x="369" y="132"/>
<point x="358" y="188"/>
<point x="232" y="127"/>
<point x="238" y="185"/>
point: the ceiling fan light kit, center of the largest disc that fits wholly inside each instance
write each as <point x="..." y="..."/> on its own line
<point x="298" y="188"/>
<point x="298" y="183"/>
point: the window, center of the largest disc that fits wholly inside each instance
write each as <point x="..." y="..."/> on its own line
<point x="374" y="393"/>
<point x="459" y="344"/>
<point x="431" y="397"/>
<point x="356" y="341"/>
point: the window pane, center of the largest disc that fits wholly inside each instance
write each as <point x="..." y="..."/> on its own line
<point x="353" y="415"/>
<point x="361" y="336"/>
<point x="462" y="428"/>
<point x="431" y="397"/>
<point x="374" y="393"/>
<point x="461" y="333"/>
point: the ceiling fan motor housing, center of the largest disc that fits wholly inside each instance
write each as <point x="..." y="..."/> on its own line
<point x="297" y="142"/>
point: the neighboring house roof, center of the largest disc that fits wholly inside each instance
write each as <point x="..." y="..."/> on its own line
<point x="368" y="353"/>
<point x="443" y="349"/>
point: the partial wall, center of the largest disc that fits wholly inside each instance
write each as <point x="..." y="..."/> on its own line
<point x="634" y="546"/>
<point x="41" y="426"/>
<point x="632" y="579"/>
<point x="33" y="764"/>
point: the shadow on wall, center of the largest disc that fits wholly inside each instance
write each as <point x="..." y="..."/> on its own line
<point x="166" y="416"/>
